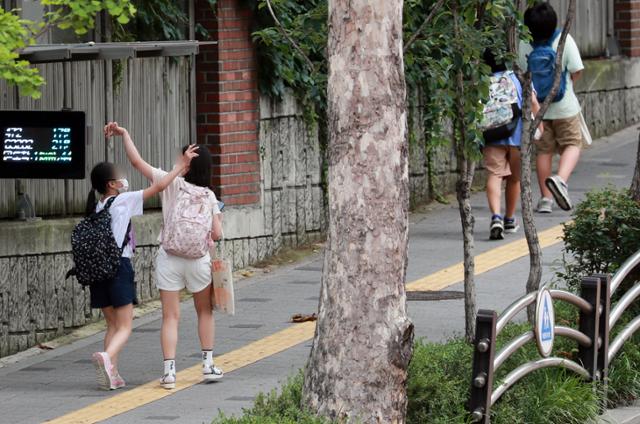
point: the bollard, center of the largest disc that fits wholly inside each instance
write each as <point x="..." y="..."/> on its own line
<point x="482" y="374"/>
<point x="603" y="336"/>
<point x="589" y="324"/>
<point x="605" y="302"/>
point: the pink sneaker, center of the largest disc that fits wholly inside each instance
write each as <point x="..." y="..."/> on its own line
<point x="118" y="382"/>
<point x="102" y="362"/>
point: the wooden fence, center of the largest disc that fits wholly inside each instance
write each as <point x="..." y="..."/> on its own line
<point x="150" y="98"/>
<point x="592" y="26"/>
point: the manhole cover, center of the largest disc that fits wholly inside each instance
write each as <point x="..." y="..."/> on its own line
<point x="434" y="295"/>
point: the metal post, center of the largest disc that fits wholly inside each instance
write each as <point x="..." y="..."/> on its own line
<point x="589" y="324"/>
<point x="603" y="335"/>
<point x="482" y="375"/>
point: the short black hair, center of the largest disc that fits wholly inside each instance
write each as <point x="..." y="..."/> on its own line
<point x="542" y="21"/>
<point x="200" y="168"/>
<point x="490" y="59"/>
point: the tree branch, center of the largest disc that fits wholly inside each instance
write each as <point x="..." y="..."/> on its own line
<point x="558" y="70"/>
<point x="312" y="68"/>
<point x="416" y="34"/>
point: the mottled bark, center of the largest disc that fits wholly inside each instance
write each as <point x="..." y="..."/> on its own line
<point x="357" y="369"/>
<point x="635" y="183"/>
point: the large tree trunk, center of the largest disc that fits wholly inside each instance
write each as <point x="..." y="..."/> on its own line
<point x="357" y="370"/>
<point x="635" y="183"/>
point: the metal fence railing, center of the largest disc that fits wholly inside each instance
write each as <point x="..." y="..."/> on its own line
<point x="596" y="320"/>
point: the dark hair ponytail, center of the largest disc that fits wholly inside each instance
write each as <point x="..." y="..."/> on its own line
<point x="200" y="168"/>
<point x="101" y="174"/>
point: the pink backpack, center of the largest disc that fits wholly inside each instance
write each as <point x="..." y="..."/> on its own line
<point x="187" y="232"/>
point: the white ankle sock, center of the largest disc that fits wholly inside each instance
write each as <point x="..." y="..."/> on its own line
<point x="207" y="357"/>
<point x="170" y="366"/>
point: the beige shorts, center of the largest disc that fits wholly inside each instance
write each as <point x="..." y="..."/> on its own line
<point x="497" y="159"/>
<point x="174" y="273"/>
<point x="560" y="133"/>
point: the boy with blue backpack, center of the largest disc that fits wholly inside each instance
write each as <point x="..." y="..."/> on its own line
<point x="562" y="121"/>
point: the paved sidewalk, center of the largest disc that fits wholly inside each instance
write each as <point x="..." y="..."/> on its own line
<point x="60" y="381"/>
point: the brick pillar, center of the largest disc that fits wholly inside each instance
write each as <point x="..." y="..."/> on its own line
<point x="228" y="101"/>
<point x="627" y="26"/>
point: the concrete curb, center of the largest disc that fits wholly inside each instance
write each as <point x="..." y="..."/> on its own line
<point x="625" y="415"/>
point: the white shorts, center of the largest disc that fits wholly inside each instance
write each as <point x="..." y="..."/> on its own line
<point x="174" y="273"/>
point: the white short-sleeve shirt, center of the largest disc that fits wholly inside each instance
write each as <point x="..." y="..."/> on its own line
<point x="569" y="106"/>
<point x="123" y="208"/>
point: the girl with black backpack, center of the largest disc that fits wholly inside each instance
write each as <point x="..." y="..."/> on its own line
<point x="116" y="295"/>
<point x="191" y="222"/>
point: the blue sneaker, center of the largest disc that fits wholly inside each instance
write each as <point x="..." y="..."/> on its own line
<point x="511" y="225"/>
<point x="496" y="230"/>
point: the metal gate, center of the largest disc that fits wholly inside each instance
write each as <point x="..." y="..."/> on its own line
<point x="596" y="320"/>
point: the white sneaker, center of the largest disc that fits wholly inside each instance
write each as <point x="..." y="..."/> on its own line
<point x="211" y="373"/>
<point x="168" y="381"/>
<point x="104" y="371"/>
<point x="545" y="205"/>
<point x="560" y="191"/>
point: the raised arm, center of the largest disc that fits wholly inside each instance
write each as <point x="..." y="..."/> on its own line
<point x="136" y="160"/>
<point x="181" y="166"/>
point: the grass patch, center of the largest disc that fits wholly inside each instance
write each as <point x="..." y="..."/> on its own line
<point x="438" y="388"/>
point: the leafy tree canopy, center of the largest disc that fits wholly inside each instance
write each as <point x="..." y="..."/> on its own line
<point x="17" y="33"/>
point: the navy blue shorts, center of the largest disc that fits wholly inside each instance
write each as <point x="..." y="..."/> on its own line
<point x="120" y="291"/>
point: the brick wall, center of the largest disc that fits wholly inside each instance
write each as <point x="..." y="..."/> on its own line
<point x="627" y="26"/>
<point x="228" y="101"/>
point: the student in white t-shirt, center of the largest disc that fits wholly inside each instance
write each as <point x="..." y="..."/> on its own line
<point x="174" y="273"/>
<point x="116" y="297"/>
<point x="562" y="121"/>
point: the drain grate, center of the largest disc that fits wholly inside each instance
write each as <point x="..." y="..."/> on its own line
<point x="434" y="295"/>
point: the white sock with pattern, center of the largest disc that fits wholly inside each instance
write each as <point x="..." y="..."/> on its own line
<point x="207" y="358"/>
<point x="170" y="366"/>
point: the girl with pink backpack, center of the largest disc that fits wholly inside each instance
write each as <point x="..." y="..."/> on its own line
<point x="191" y="223"/>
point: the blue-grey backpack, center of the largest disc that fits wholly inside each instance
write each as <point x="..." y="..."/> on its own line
<point x="542" y="64"/>
<point x="96" y="254"/>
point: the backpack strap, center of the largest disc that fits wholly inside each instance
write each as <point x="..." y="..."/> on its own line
<point x="127" y="236"/>
<point x="109" y="202"/>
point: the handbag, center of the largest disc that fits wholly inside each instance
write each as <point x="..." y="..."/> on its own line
<point x="586" y="134"/>
<point x="222" y="295"/>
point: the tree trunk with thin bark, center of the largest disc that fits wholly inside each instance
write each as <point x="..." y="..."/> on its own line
<point x="529" y="126"/>
<point x="464" y="183"/>
<point x="357" y="370"/>
<point x="528" y="220"/>
<point x="635" y="183"/>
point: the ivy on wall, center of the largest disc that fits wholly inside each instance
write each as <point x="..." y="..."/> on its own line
<point x="433" y="58"/>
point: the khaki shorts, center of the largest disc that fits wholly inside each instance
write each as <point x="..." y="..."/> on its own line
<point x="497" y="159"/>
<point x="560" y="133"/>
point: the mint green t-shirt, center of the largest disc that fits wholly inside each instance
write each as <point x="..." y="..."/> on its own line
<point x="569" y="106"/>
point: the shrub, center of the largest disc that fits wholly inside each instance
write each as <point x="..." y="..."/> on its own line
<point x="604" y="232"/>
<point x="276" y="408"/>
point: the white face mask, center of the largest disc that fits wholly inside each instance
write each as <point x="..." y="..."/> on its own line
<point x="125" y="185"/>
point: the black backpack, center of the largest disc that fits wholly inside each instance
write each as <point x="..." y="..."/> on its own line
<point x="96" y="255"/>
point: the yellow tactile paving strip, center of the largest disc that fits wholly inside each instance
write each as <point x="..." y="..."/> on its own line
<point x="486" y="261"/>
<point x="289" y="337"/>
<point x="152" y="391"/>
